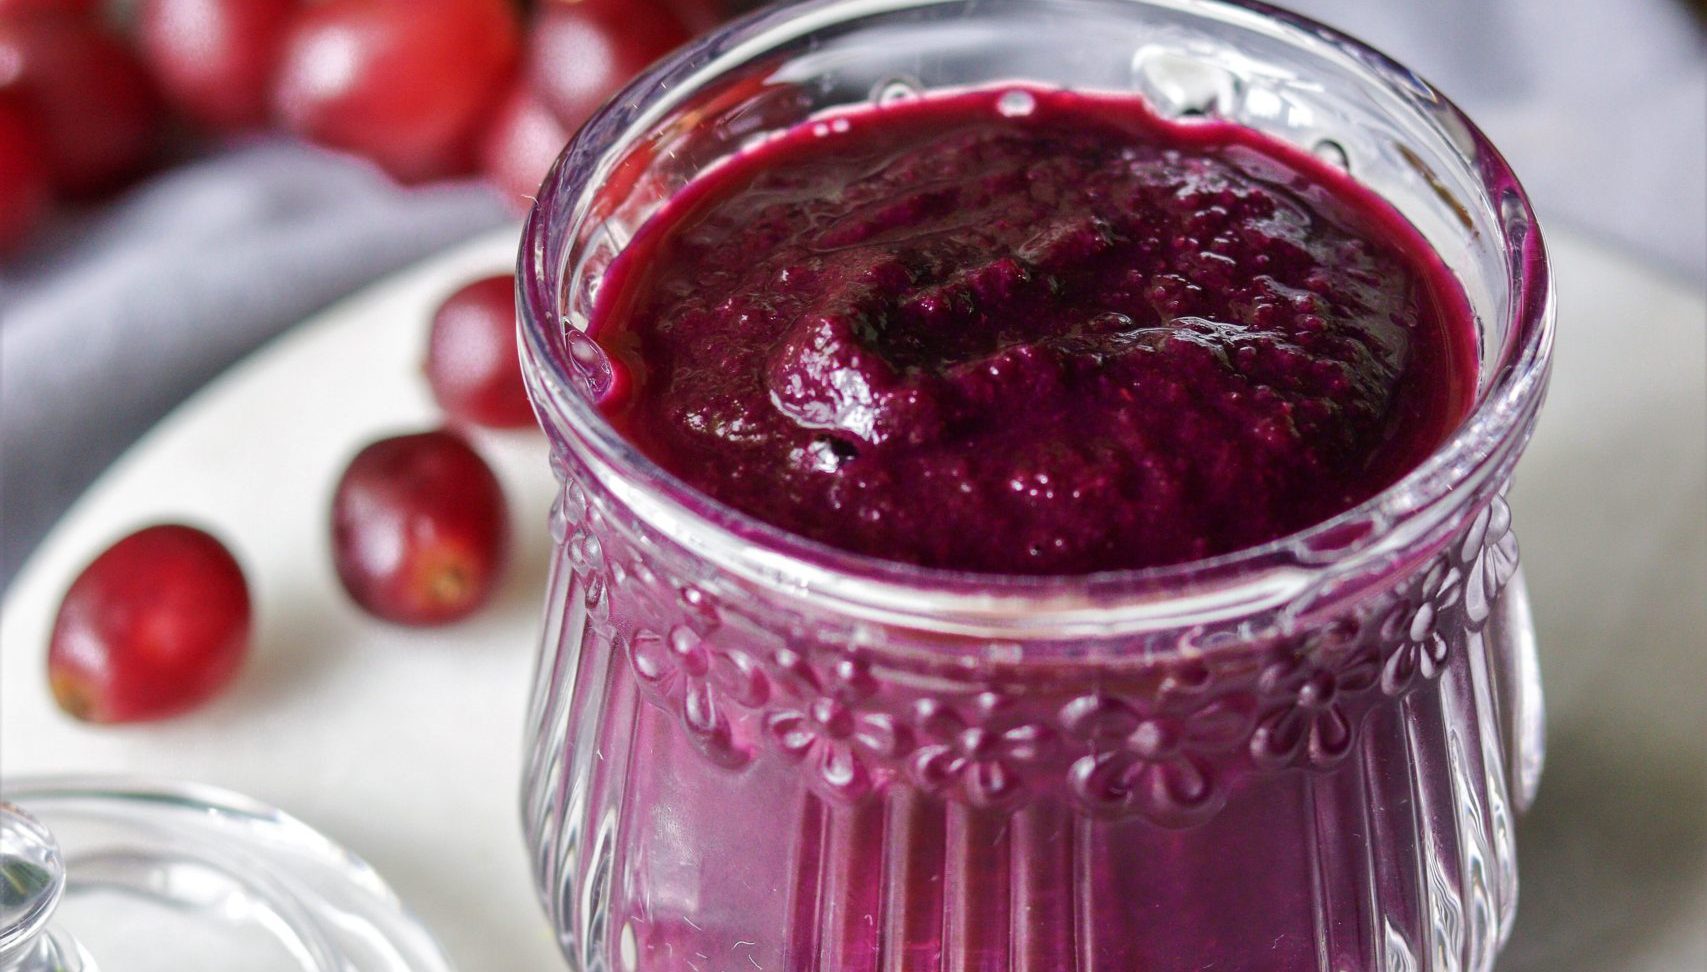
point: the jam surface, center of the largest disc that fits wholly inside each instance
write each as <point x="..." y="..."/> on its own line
<point x="1028" y="331"/>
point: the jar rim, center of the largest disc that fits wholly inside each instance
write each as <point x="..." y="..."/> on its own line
<point x="1303" y="568"/>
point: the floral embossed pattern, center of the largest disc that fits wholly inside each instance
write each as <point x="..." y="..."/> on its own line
<point x="1489" y="554"/>
<point x="1314" y="705"/>
<point x="985" y="760"/>
<point x="700" y="682"/>
<point x="1154" y="764"/>
<point x="1414" y="630"/>
<point x="1159" y="746"/>
<point x="827" y="731"/>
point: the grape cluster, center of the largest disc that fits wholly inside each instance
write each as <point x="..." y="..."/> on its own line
<point x="94" y="94"/>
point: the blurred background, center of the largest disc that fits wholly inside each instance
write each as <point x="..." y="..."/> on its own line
<point x="222" y="226"/>
<point x="170" y="199"/>
<point x="219" y="229"/>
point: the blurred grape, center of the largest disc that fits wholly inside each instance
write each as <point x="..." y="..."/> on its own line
<point x="99" y="113"/>
<point x="472" y="362"/>
<point x="27" y="7"/>
<point x="523" y="140"/>
<point x="26" y="189"/>
<point x="215" y="59"/>
<point x="584" y="51"/>
<point x="405" y="83"/>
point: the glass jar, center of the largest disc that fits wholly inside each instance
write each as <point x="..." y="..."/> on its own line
<point x="748" y="749"/>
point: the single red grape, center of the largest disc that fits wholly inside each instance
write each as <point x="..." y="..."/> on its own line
<point x="525" y="137"/>
<point x="585" y="50"/>
<point x="156" y="625"/>
<point x="406" y="83"/>
<point x="97" y="106"/>
<point x="215" y="59"/>
<point x="420" y="529"/>
<point x="472" y="364"/>
<point x="23" y="8"/>
<point x="26" y="188"/>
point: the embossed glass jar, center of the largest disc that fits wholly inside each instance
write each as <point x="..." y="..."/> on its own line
<point x="751" y="750"/>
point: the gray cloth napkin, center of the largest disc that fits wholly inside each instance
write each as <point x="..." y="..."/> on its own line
<point x="122" y="313"/>
<point x="125" y="311"/>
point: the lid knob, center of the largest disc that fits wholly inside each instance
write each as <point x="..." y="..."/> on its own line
<point x="32" y="878"/>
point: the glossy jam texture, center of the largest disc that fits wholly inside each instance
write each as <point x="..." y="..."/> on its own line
<point x="1030" y="331"/>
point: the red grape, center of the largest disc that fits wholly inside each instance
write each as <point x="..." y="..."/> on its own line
<point x="525" y="137"/>
<point x="471" y="356"/>
<point x="156" y="625"/>
<point x="97" y="107"/>
<point x="585" y="50"/>
<point x="215" y="59"/>
<point x="404" y="82"/>
<point x="420" y="529"/>
<point x="22" y="8"/>
<point x="26" y="189"/>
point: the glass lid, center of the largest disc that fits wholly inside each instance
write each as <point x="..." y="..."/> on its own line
<point x="124" y="875"/>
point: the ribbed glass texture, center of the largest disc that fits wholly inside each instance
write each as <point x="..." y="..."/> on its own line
<point x="750" y="751"/>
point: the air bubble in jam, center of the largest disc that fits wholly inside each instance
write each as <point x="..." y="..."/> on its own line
<point x="897" y="90"/>
<point x="1016" y="104"/>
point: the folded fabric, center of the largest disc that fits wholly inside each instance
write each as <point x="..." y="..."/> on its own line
<point x="126" y="309"/>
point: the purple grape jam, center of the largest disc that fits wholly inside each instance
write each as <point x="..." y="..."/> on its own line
<point x="1022" y="330"/>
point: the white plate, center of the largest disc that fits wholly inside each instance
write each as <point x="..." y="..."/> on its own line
<point x="405" y="745"/>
